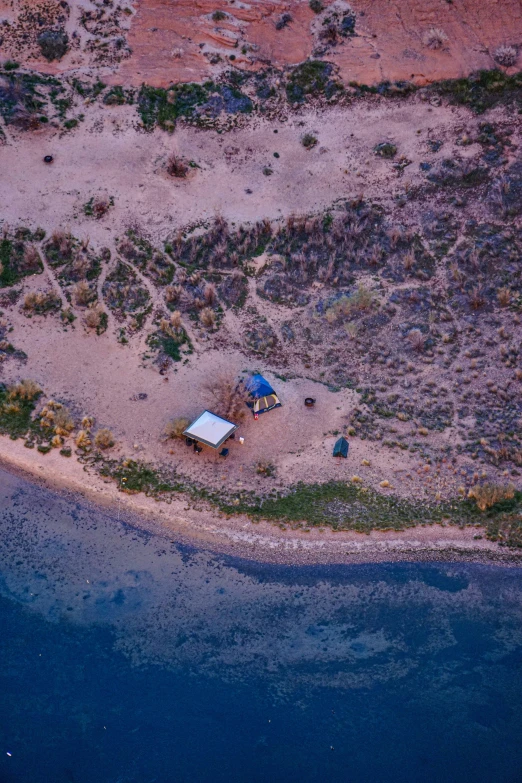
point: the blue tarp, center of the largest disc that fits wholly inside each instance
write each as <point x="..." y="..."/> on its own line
<point x="258" y="387"/>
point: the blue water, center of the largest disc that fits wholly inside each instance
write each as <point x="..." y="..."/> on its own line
<point x="126" y="658"/>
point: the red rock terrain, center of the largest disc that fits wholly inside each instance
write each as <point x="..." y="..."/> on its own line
<point x="165" y="41"/>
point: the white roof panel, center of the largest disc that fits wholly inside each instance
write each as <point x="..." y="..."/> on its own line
<point x="210" y="429"/>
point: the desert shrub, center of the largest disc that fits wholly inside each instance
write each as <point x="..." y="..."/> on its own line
<point x="227" y="397"/>
<point x="53" y="44"/>
<point x="209" y="294"/>
<point x="416" y="339"/>
<point x="98" y="206"/>
<point x="308" y="141"/>
<point x="176" y="427"/>
<point x="173" y="293"/>
<point x="104" y="439"/>
<point x="477" y="298"/>
<point x="26" y="390"/>
<point x="83" y="293"/>
<point x="176" y="167"/>
<point x="59" y="248"/>
<point x="283" y="21"/>
<point x="207" y="317"/>
<point x="41" y="302"/>
<point x="96" y="318"/>
<point x="218" y="16"/>
<point x="265" y="469"/>
<point x="347" y="306"/>
<point x="435" y="38"/>
<point x="83" y="440"/>
<point x="385" y="149"/>
<point x="504" y="297"/>
<point x="63" y="422"/>
<point x="487" y="495"/>
<point x="316" y="6"/>
<point x="506" y="55"/>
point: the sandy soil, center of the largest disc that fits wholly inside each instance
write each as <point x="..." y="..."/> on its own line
<point x="109" y="155"/>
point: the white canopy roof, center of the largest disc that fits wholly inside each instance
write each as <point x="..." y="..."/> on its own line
<point x="210" y="429"/>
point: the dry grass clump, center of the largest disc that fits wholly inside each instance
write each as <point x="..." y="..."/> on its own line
<point x="435" y="38"/>
<point x="31" y="258"/>
<point x="173" y="327"/>
<point x="41" y="301"/>
<point x="176" y="427"/>
<point x="360" y="301"/>
<point x="94" y="317"/>
<point x="173" y="293"/>
<point x="104" y="439"/>
<point x="176" y="167"/>
<point x="207" y="317"/>
<point x="83" y="439"/>
<point x="416" y="339"/>
<point x="477" y="298"/>
<point x="26" y="390"/>
<point x="83" y="293"/>
<point x="227" y="398"/>
<point x="56" y="417"/>
<point x="504" y="297"/>
<point x="486" y="495"/>
<point x="62" y="241"/>
<point x="506" y="55"/>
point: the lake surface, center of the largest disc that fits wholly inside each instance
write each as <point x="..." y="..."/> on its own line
<point x="127" y="658"/>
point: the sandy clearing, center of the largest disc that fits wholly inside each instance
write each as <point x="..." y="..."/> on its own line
<point x="128" y="164"/>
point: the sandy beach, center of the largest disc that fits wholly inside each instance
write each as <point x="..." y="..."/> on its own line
<point x="200" y="525"/>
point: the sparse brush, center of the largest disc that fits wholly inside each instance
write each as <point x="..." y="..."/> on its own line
<point x="477" y="298"/>
<point x="176" y="167"/>
<point x="210" y="294"/>
<point x="87" y="422"/>
<point x="31" y="258"/>
<point x="265" y="468"/>
<point x="416" y="339"/>
<point x="83" y="293"/>
<point x="227" y="398"/>
<point x="360" y="301"/>
<point x="100" y="206"/>
<point x="25" y="390"/>
<point x="63" y="422"/>
<point x="83" y="440"/>
<point x="176" y="321"/>
<point x="308" y="141"/>
<point x="486" y="495"/>
<point x="62" y="241"/>
<point x="56" y="441"/>
<point x="506" y="55"/>
<point x="207" y="317"/>
<point x="104" y="439"/>
<point x="93" y="318"/>
<point x="176" y="427"/>
<point x="504" y="297"/>
<point x="408" y="260"/>
<point x="173" y="293"/>
<point x="435" y="38"/>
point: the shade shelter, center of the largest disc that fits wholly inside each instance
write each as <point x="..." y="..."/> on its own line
<point x="210" y="429"/>
<point x="341" y="448"/>
<point x="262" y="397"/>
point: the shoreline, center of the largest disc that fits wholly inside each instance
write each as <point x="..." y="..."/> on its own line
<point x="239" y="537"/>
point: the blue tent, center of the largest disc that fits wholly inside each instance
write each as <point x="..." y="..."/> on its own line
<point x="341" y="447"/>
<point x="262" y="397"/>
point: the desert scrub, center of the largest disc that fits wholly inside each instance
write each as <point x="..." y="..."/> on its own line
<point x="41" y="302"/>
<point x="53" y="44"/>
<point x="506" y="56"/>
<point x="141" y="477"/>
<point x="96" y="319"/>
<point x="311" y="78"/>
<point x="117" y="96"/>
<point x="176" y="167"/>
<point x="176" y="427"/>
<point x="488" y="495"/>
<point x="123" y="292"/>
<point x="57" y="419"/>
<point x="308" y="141"/>
<point x="17" y="404"/>
<point x="362" y="300"/>
<point x="482" y="90"/>
<point x="18" y="260"/>
<point x="98" y="206"/>
<point x="434" y="38"/>
<point x="104" y="439"/>
<point x="60" y="247"/>
<point x="227" y="397"/>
